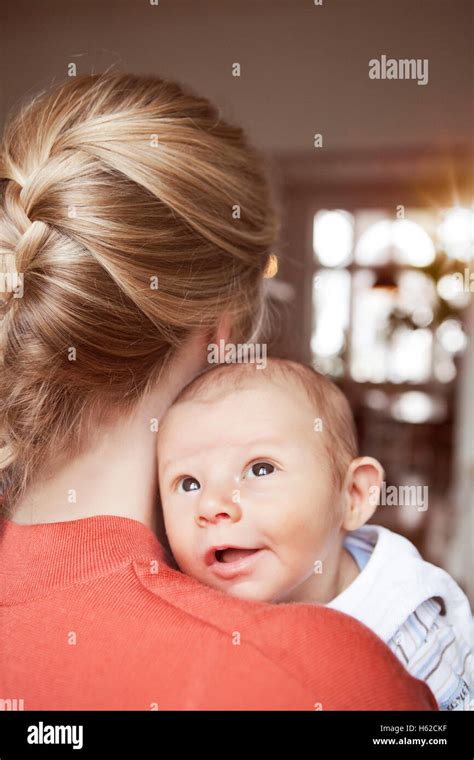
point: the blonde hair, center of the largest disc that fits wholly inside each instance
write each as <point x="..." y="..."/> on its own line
<point x="134" y="214"/>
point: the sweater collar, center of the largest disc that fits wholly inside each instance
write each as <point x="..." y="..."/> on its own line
<point x="39" y="558"/>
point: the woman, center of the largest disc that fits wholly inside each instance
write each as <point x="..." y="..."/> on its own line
<point x="140" y="225"/>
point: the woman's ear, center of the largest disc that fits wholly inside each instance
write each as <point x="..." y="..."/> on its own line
<point x="361" y="491"/>
<point x="223" y="330"/>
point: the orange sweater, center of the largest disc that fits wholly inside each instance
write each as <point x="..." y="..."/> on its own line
<point x="92" y="618"/>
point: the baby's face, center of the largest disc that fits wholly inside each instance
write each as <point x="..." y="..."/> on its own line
<point x="248" y="471"/>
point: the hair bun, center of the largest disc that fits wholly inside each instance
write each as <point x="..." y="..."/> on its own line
<point x="136" y="214"/>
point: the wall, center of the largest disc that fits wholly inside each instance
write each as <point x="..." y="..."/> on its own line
<point x="304" y="67"/>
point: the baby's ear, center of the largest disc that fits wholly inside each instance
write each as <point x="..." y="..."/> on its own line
<point x="361" y="491"/>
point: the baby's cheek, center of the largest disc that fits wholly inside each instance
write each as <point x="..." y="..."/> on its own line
<point x="291" y="523"/>
<point x="305" y="537"/>
<point x="182" y="546"/>
<point x="190" y="565"/>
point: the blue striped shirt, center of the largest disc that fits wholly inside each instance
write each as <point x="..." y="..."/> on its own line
<point x="426" y="644"/>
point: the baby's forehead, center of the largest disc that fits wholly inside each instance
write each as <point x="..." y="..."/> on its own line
<point x="254" y="394"/>
<point x="247" y="419"/>
<point x="221" y="381"/>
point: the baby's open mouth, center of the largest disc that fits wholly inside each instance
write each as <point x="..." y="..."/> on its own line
<point x="227" y="562"/>
<point x="225" y="554"/>
<point x="232" y="554"/>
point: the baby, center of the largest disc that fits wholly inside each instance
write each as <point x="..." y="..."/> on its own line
<point x="265" y="498"/>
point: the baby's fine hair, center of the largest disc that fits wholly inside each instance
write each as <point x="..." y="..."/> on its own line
<point x="333" y="417"/>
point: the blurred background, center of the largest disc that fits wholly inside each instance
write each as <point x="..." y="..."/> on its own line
<point x="374" y="179"/>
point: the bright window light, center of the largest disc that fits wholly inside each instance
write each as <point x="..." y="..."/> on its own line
<point x="403" y="241"/>
<point x="333" y="233"/>
<point x="456" y="233"/>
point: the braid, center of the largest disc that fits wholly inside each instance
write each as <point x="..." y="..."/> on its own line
<point x="32" y="233"/>
<point x="26" y="238"/>
<point x="118" y="204"/>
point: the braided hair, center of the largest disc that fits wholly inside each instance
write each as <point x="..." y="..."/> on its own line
<point x="134" y="213"/>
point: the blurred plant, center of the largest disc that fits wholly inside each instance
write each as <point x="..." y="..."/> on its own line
<point x="443" y="308"/>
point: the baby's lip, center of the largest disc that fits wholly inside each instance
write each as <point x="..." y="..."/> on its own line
<point x="210" y="554"/>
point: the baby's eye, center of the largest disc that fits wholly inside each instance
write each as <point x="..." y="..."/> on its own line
<point x="188" y="484"/>
<point x="259" y="469"/>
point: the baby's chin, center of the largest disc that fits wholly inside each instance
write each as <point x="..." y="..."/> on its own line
<point x="250" y="591"/>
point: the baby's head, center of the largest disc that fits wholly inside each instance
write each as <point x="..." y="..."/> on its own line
<point x="265" y="461"/>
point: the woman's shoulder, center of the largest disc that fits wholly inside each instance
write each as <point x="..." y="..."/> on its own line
<point x="309" y="643"/>
<point x="93" y="610"/>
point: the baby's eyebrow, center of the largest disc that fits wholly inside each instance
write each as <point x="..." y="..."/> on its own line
<point x="266" y="440"/>
<point x="168" y="463"/>
<point x="180" y="463"/>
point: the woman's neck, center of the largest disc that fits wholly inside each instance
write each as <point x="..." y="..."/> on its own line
<point x="117" y="475"/>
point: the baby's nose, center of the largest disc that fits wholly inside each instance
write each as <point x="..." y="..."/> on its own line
<point x="212" y="509"/>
